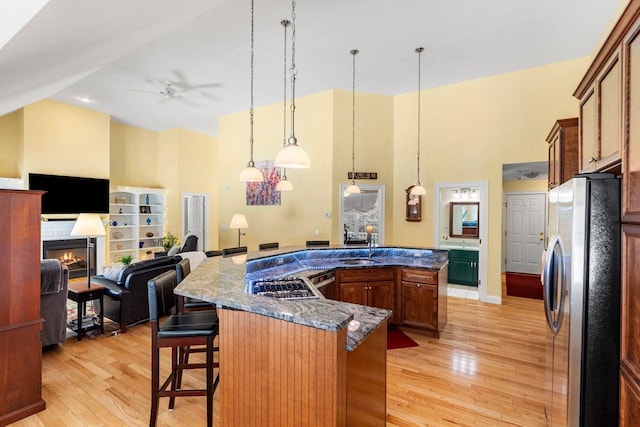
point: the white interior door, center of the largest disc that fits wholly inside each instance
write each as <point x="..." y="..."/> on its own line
<point x="525" y="232"/>
<point x="193" y="217"/>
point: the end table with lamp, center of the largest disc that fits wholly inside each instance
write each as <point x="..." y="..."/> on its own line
<point x="89" y="225"/>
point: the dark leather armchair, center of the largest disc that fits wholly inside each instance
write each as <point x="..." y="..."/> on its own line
<point x="54" y="279"/>
<point x="126" y="299"/>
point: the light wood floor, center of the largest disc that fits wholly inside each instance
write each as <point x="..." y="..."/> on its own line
<point x="485" y="370"/>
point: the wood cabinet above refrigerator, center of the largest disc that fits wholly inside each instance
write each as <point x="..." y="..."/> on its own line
<point x="563" y="151"/>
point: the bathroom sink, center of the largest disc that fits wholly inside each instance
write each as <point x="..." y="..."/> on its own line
<point x="358" y="261"/>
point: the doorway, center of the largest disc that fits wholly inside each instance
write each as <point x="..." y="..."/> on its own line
<point x="195" y="217"/>
<point x="441" y="227"/>
<point x="524" y="231"/>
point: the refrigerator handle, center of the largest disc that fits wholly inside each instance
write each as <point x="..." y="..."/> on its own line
<point x="554" y="278"/>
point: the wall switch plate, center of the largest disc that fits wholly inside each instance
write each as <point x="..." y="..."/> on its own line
<point x="317" y="232"/>
<point x="224" y="228"/>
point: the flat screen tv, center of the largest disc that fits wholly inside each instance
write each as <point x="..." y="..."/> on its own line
<point x="71" y="194"/>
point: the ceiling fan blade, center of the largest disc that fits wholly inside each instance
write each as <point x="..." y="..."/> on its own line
<point x="186" y="102"/>
<point x="144" y="91"/>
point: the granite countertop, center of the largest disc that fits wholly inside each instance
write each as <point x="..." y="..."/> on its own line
<point x="222" y="281"/>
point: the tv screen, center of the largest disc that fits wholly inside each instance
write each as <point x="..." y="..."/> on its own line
<point x="70" y="194"/>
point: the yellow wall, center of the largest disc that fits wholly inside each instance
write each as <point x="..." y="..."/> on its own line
<point x="302" y="210"/>
<point x="323" y="128"/>
<point x="134" y="153"/>
<point x="63" y="139"/>
<point x="469" y="131"/>
<point x="373" y="148"/>
<point x="10" y="136"/>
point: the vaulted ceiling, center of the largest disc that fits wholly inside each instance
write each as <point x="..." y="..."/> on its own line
<point x="118" y="53"/>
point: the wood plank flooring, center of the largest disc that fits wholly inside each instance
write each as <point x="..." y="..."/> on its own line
<point x="487" y="369"/>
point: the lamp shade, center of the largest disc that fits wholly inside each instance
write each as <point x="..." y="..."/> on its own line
<point x="418" y="190"/>
<point x="352" y="189"/>
<point x="284" y="185"/>
<point x="88" y="224"/>
<point x="238" y="221"/>
<point x="251" y="174"/>
<point x="293" y="157"/>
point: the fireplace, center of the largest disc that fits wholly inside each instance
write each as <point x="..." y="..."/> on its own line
<point x="72" y="253"/>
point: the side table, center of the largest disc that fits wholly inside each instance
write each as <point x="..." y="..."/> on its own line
<point x="80" y="293"/>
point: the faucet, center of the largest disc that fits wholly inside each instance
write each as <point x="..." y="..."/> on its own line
<point x="370" y="244"/>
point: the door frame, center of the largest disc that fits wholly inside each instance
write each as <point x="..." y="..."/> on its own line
<point x="503" y="263"/>
<point x="484" y="230"/>
<point x="183" y="218"/>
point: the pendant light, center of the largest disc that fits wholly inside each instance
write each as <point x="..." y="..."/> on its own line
<point x="353" y="188"/>
<point x="284" y="184"/>
<point x="292" y="156"/>
<point x="251" y="173"/>
<point x="418" y="189"/>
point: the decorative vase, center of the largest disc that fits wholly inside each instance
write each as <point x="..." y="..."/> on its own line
<point x="148" y="221"/>
<point x="141" y="244"/>
<point x="147" y="199"/>
<point x="114" y="223"/>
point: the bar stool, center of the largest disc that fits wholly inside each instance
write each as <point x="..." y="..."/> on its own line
<point x="313" y="243"/>
<point x="183" y="269"/>
<point x="267" y="246"/>
<point x="234" y="251"/>
<point x="179" y="331"/>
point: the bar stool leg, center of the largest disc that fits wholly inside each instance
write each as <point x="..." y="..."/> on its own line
<point x="210" y="387"/>
<point x="155" y="385"/>
<point x="175" y="373"/>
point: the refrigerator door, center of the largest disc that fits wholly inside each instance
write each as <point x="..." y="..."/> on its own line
<point x="557" y="276"/>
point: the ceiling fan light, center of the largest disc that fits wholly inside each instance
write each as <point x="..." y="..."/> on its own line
<point x="352" y="189"/>
<point x="292" y="157"/>
<point x="284" y="185"/>
<point x="251" y="174"/>
<point x="418" y="190"/>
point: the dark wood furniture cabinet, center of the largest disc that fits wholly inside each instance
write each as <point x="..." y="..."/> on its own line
<point x="423" y="301"/>
<point x="374" y="287"/>
<point x="563" y="151"/>
<point x="463" y="267"/>
<point x="614" y="76"/>
<point x="20" y="322"/>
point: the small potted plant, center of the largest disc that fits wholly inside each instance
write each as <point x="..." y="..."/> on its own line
<point x="169" y="241"/>
<point x="126" y="259"/>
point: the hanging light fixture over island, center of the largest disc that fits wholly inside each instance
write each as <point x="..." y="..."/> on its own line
<point x="418" y="189"/>
<point x="353" y="188"/>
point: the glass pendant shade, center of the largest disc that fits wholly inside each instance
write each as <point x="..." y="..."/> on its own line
<point x="251" y="174"/>
<point x="418" y="190"/>
<point x="284" y="185"/>
<point x="352" y="189"/>
<point x="293" y="157"/>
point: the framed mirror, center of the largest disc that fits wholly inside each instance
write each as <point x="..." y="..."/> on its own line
<point x="413" y="206"/>
<point x="464" y="219"/>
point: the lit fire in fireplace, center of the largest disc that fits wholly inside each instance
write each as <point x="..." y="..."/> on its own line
<point x="69" y="259"/>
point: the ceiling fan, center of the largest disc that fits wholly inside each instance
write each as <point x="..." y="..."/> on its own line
<point x="178" y="89"/>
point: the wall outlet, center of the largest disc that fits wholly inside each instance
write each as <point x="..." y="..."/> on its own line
<point x="317" y="232"/>
<point x="224" y="228"/>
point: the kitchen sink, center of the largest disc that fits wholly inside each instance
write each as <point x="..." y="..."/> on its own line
<point x="358" y="261"/>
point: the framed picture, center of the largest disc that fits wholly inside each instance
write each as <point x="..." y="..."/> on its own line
<point x="264" y="193"/>
<point x="413" y="206"/>
<point x="145" y="209"/>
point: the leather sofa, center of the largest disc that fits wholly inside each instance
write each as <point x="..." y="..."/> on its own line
<point x="126" y="299"/>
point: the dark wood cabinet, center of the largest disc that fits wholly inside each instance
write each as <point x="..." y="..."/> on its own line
<point x="630" y="308"/>
<point x="374" y="287"/>
<point x="423" y="300"/>
<point x="20" y="322"/>
<point x="563" y="151"/>
<point x="329" y="291"/>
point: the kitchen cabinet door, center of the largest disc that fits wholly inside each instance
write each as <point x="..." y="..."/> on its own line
<point x="630" y="308"/>
<point x="463" y="267"/>
<point x="419" y="305"/>
<point x="631" y="163"/>
<point x="563" y="151"/>
<point x="355" y="293"/>
<point x="382" y="295"/>
<point x="629" y="400"/>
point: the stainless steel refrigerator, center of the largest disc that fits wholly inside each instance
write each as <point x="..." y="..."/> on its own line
<point x="581" y="290"/>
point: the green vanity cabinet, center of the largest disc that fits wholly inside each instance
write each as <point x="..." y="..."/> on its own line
<point x="463" y="267"/>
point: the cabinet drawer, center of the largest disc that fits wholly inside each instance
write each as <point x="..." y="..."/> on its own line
<point x="365" y="274"/>
<point x="419" y="276"/>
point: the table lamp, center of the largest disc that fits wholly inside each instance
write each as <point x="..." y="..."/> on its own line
<point x="239" y="221"/>
<point x="89" y="225"/>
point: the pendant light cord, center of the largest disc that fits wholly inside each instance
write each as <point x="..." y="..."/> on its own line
<point x="353" y="117"/>
<point x="285" y="23"/>
<point x="251" y="163"/>
<point x="293" y="68"/>
<point x="419" y="51"/>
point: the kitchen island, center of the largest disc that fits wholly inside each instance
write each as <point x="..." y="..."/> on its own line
<point x="300" y="361"/>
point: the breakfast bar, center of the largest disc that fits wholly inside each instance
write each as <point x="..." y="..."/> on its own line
<point x="300" y="361"/>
